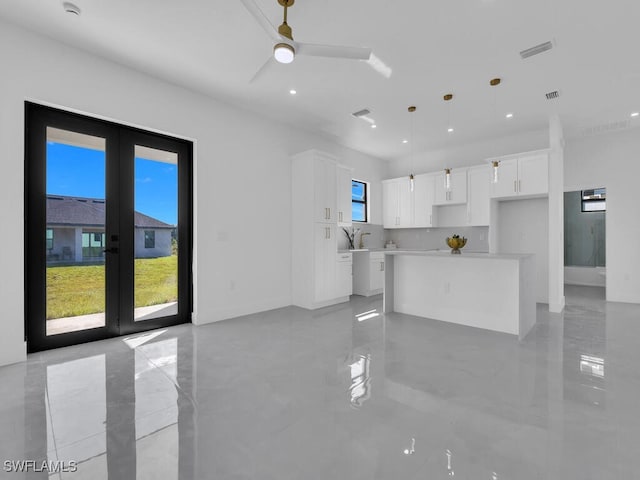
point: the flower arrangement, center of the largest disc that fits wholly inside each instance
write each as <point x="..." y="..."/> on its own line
<point x="351" y="235"/>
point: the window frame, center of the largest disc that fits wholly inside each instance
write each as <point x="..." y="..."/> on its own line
<point x="587" y="201"/>
<point x="150" y="237"/>
<point x="364" y="203"/>
<point x="52" y="239"/>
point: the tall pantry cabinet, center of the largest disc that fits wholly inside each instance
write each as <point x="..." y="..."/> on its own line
<point x="315" y="217"/>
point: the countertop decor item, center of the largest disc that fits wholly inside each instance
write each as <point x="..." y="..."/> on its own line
<point x="456" y="242"/>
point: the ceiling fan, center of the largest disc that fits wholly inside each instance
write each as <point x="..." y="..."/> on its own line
<point x="286" y="48"/>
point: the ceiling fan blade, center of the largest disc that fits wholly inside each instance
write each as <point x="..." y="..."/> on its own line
<point x="261" y="18"/>
<point x="379" y="66"/>
<point x="333" y="51"/>
<point x="266" y="66"/>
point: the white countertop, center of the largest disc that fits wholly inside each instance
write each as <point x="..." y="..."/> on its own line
<point x="447" y="253"/>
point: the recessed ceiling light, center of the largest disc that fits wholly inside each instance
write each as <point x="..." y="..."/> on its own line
<point x="374" y="126"/>
<point x="450" y="129"/>
<point x="635" y="114"/>
<point x="292" y="92"/>
<point x="405" y="141"/>
<point x="71" y="8"/>
<point x="509" y="115"/>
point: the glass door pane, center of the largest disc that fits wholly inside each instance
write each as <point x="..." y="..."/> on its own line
<point x="155" y="233"/>
<point x="75" y="231"/>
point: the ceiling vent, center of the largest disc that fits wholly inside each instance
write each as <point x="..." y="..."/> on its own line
<point x="361" y="113"/>
<point x="530" y="52"/>
<point x="552" y="95"/>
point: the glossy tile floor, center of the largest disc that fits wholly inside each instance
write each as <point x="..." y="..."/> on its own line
<point x="340" y="393"/>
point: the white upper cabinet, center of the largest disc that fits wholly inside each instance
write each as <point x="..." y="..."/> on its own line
<point x="533" y="174"/>
<point x="507" y="184"/>
<point x="457" y="194"/>
<point x="343" y="184"/>
<point x="478" y="204"/>
<point x="324" y="186"/>
<point x="397" y="203"/>
<point x="424" y="195"/>
<point x="526" y="174"/>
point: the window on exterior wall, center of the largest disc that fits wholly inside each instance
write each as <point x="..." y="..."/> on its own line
<point x="149" y="239"/>
<point x="359" y="198"/>
<point x="49" y="238"/>
<point x="594" y="200"/>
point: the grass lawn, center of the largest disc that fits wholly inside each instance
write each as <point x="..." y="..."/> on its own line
<point x="79" y="289"/>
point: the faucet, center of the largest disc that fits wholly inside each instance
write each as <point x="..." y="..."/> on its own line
<point x="361" y="245"/>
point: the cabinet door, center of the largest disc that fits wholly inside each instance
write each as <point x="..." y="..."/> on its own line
<point x="533" y="174"/>
<point x="458" y="193"/>
<point x="479" y="179"/>
<point x="507" y="185"/>
<point x="324" y="185"/>
<point x="405" y="203"/>
<point x="441" y="195"/>
<point x="344" y="279"/>
<point x="423" y="196"/>
<point x="325" y="247"/>
<point x="390" y="206"/>
<point x="376" y="274"/>
<point x="343" y="185"/>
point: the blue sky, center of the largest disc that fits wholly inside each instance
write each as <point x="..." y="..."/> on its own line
<point x="80" y="172"/>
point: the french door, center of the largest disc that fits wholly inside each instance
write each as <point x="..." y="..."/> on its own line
<point x="108" y="230"/>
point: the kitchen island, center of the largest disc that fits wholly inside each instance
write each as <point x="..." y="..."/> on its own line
<point x="483" y="290"/>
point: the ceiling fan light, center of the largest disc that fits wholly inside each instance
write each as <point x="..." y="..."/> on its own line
<point x="284" y="53"/>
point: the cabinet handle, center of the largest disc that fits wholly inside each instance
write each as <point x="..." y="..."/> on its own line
<point x="430" y="219"/>
<point x="340" y="215"/>
<point x="329" y="217"/>
<point x="515" y="187"/>
<point x="382" y="266"/>
<point x="519" y="185"/>
<point x="328" y="232"/>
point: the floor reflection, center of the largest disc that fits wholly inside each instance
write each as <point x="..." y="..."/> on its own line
<point x="294" y="394"/>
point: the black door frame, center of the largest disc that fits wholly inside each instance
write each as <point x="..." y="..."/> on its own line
<point x="119" y="221"/>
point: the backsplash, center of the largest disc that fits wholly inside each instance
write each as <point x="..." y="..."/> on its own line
<point x="374" y="240"/>
<point x="434" y="238"/>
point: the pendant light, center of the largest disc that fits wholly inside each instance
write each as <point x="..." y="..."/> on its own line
<point x="447" y="171"/>
<point x="412" y="182"/>
<point x="494" y="82"/>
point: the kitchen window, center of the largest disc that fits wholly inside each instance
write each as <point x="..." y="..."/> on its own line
<point x="359" y="199"/>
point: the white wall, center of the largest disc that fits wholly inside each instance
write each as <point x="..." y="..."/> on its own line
<point x="467" y="155"/>
<point x="611" y="161"/>
<point x="523" y="227"/>
<point x="242" y="247"/>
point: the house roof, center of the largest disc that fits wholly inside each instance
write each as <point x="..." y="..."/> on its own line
<point x="89" y="212"/>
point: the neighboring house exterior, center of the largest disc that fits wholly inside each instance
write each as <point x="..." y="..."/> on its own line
<point x="75" y="231"/>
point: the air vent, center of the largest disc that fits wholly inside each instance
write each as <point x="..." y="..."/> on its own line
<point x="552" y="95"/>
<point x="361" y="113"/>
<point x="530" y="52"/>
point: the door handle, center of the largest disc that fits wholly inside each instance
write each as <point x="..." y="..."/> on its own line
<point x="110" y="250"/>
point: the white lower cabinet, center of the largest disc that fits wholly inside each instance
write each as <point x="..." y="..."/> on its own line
<point x="368" y="273"/>
<point x="344" y="275"/>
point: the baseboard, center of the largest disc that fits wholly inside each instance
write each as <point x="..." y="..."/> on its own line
<point x="328" y="303"/>
<point x="216" y="315"/>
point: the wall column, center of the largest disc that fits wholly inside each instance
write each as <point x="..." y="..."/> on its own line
<point x="556" y="214"/>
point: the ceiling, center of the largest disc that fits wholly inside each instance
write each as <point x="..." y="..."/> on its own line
<point x="433" y="48"/>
